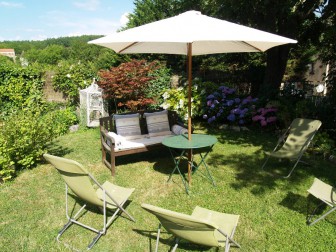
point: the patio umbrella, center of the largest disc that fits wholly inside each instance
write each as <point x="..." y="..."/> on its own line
<point x="191" y="33"/>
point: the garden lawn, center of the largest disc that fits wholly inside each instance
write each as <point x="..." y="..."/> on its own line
<point x="272" y="210"/>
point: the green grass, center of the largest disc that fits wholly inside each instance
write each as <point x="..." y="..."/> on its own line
<point x="272" y="210"/>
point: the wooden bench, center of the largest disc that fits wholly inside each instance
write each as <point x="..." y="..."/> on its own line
<point x="109" y="146"/>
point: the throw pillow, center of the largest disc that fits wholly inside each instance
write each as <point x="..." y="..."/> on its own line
<point x="157" y="121"/>
<point x="127" y="125"/>
<point x="179" y="130"/>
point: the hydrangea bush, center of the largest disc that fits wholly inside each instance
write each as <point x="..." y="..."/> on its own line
<point x="265" y="116"/>
<point x="224" y="106"/>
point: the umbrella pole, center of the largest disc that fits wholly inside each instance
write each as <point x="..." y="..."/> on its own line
<point x="189" y="108"/>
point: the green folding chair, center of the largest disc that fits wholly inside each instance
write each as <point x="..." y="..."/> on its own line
<point x="325" y="193"/>
<point x="295" y="141"/>
<point x="203" y="226"/>
<point x="107" y="197"/>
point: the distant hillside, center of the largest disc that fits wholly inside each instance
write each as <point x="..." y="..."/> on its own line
<point x="26" y="45"/>
<point x="74" y="49"/>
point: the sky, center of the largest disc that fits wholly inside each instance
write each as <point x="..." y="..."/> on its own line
<point x="42" y="19"/>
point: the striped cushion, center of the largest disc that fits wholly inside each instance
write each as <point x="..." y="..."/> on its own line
<point x="179" y="130"/>
<point x="127" y="125"/>
<point x="157" y="121"/>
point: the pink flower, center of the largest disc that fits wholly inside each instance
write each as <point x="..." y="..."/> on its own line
<point x="255" y="118"/>
<point x="271" y="119"/>
<point x="263" y="123"/>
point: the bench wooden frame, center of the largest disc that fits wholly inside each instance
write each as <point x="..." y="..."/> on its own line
<point x="107" y="124"/>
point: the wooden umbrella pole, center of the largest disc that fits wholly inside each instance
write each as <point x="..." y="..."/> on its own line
<point x="189" y="107"/>
<point x="189" y="88"/>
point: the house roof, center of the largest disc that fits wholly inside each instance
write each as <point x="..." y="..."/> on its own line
<point x="7" y="50"/>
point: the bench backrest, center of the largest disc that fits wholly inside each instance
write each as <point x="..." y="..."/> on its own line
<point x="108" y="122"/>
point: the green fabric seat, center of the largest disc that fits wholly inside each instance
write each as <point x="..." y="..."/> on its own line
<point x="295" y="141"/>
<point x="106" y="197"/>
<point x="325" y="193"/>
<point x="203" y="226"/>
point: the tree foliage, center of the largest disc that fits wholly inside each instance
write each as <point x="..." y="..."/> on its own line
<point x="327" y="43"/>
<point x="69" y="78"/>
<point x="127" y="84"/>
<point x="290" y="18"/>
<point x="72" y="49"/>
<point x="19" y="88"/>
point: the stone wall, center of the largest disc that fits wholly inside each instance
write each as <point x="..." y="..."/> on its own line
<point x="49" y="93"/>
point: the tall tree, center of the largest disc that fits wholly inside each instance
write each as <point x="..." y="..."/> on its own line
<point x="290" y="18"/>
<point x="295" y="19"/>
<point x="327" y="43"/>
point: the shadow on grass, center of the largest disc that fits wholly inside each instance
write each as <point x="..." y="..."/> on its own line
<point x="248" y="165"/>
<point x="56" y="149"/>
<point x="149" y="156"/>
<point x="295" y="202"/>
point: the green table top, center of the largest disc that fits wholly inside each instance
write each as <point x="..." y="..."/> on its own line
<point x="197" y="141"/>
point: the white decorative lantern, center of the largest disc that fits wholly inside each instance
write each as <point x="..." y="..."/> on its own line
<point x="91" y="105"/>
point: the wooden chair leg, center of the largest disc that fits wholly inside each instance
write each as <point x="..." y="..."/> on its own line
<point x="112" y="165"/>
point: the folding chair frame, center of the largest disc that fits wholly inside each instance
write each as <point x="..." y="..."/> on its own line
<point x="228" y="242"/>
<point x="166" y="217"/>
<point x="310" y="220"/>
<point x="106" y="222"/>
<point x="281" y="141"/>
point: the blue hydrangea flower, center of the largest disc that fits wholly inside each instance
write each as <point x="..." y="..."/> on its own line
<point x="231" y="117"/>
<point x="229" y="103"/>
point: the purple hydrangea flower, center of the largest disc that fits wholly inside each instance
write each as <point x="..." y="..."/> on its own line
<point x="231" y="117"/>
<point x="263" y="123"/>
<point x="229" y="103"/>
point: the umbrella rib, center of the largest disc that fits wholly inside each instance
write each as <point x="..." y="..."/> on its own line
<point x="125" y="48"/>
<point x="258" y="49"/>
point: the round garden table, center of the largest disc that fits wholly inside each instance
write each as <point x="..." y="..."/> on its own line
<point x="178" y="146"/>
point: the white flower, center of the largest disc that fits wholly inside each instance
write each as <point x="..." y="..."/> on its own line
<point x="181" y="103"/>
<point x="165" y="105"/>
<point x="180" y="89"/>
<point x="165" y="95"/>
<point x="68" y="75"/>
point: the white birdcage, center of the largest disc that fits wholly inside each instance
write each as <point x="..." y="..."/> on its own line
<point x="91" y="105"/>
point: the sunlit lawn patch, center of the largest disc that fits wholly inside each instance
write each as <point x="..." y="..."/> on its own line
<point x="272" y="210"/>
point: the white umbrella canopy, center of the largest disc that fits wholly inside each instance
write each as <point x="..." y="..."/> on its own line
<point x="191" y="33"/>
<point x="208" y="36"/>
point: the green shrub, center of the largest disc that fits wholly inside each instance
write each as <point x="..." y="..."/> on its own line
<point x="24" y="138"/>
<point x="177" y="99"/>
<point x="323" y="144"/>
<point x="61" y="120"/>
<point x="26" y="134"/>
<point x="7" y="170"/>
<point x="158" y="85"/>
<point x="19" y="88"/>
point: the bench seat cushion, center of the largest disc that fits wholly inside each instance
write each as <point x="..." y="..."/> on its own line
<point x="145" y="140"/>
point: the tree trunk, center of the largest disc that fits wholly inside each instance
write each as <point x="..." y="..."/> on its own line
<point x="276" y="65"/>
